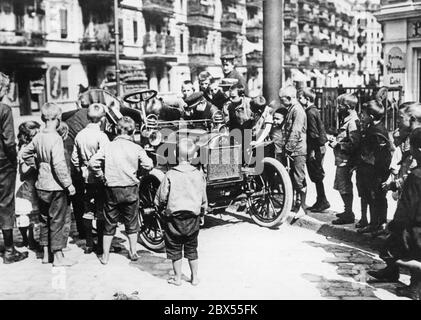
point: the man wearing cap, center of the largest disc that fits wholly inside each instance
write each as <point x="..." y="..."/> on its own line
<point x="8" y="171"/>
<point x="198" y="107"/>
<point x="295" y="130"/>
<point x="316" y="140"/>
<point x="228" y="68"/>
<point x="345" y="147"/>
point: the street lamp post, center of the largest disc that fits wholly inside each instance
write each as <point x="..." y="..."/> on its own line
<point x="272" y="48"/>
<point x="117" y="47"/>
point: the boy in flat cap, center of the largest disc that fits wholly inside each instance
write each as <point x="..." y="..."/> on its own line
<point x="228" y="68"/>
<point x="316" y="140"/>
<point x="117" y="164"/>
<point x="295" y="134"/>
<point x="182" y="198"/>
<point x="345" y="147"/>
<point x="373" y="165"/>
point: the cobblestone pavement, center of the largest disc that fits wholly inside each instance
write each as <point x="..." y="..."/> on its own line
<point x="238" y="260"/>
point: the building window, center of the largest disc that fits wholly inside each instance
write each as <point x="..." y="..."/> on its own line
<point x="301" y="50"/>
<point x="181" y="42"/>
<point x="63" y="23"/>
<point x="135" y="35"/>
<point x="64" y="81"/>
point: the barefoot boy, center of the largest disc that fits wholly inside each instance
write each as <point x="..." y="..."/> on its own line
<point x="121" y="160"/>
<point x="182" y="195"/>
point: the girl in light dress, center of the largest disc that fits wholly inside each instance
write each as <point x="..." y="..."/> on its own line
<point x="27" y="208"/>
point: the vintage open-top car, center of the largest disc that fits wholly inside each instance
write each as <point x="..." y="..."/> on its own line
<point x="260" y="185"/>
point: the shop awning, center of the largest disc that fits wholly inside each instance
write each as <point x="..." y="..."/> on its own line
<point x="298" y="76"/>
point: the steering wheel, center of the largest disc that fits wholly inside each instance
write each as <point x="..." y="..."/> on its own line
<point x="139" y="96"/>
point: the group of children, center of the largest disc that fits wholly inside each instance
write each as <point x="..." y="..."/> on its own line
<point x="110" y="170"/>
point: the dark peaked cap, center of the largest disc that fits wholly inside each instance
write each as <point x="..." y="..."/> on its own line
<point x="194" y="98"/>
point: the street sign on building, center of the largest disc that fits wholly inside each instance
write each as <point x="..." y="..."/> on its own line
<point x="395" y="67"/>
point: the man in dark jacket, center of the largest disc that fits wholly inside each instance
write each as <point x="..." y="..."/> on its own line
<point x="228" y="68"/>
<point x="316" y="140"/>
<point x="295" y="129"/>
<point x="404" y="240"/>
<point x="198" y="108"/>
<point x="8" y="166"/>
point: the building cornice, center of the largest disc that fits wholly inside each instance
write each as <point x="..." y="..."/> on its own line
<point x="390" y="13"/>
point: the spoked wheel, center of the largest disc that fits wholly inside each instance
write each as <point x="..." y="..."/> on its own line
<point x="151" y="233"/>
<point x="272" y="200"/>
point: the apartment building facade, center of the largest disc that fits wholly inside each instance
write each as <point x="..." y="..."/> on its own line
<point x="370" y="54"/>
<point x="53" y="48"/>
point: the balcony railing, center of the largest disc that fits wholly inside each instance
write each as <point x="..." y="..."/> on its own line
<point x="255" y="58"/>
<point x="254" y="3"/>
<point x="304" y="15"/>
<point x="199" y="14"/>
<point x="24" y="39"/>
<point x="156" y="43"/>
<point x="159" y="6"/>
<point x="304" y="38"/>
<point x="230" y="22"/>
<point x="254" y="28"/>
<point x="304" y="61"/>
<point x="230" y="46"/>
<point x="290" y="35"/>
<point x="201" y="51"/>
<point x="200" y="46"/>
<point x="290" y="11"/>
<point x="99" y="38"/>
<point x="290" y="60"/>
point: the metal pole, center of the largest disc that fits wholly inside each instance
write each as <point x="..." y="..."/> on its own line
<point x="272" y="48"/>
<point x="117" y="47"/>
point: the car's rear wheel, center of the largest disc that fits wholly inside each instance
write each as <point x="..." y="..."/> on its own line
<point x="151" y="233"/>
<point x="272" y="199"/>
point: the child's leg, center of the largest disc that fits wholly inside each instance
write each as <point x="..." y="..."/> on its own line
<point x="88" y="217"/>
<point x="194" y="264"/>
<point x="24" y="233"/>
<point x="176" y="264"/>
<point x="173" y="249"/>
<point x="58" y="211"/>
<point x="363" y="222"/>
<point x="106" y="248"/>
<point x="190" y="253"/>
<point x="44" y="207"/>
<point x="133" y="243"/>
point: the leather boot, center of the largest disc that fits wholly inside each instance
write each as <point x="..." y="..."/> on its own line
<point x="11" y="255"/>
<point x="348" y="216"/>
<point x="413" y="291"/>
<point x="388" y="274"/>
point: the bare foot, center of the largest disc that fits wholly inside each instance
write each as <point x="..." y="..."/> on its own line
<point x="174" y="281"/>
<point x="103" y="260"/>
<point x="45" y="260"/>
<point x="194" y="282"/>
<point x="64" y="262"/>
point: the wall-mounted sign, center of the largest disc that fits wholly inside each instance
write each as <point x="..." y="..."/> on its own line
<point x="55" y="82"/>
<point x="395" y="67"/>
